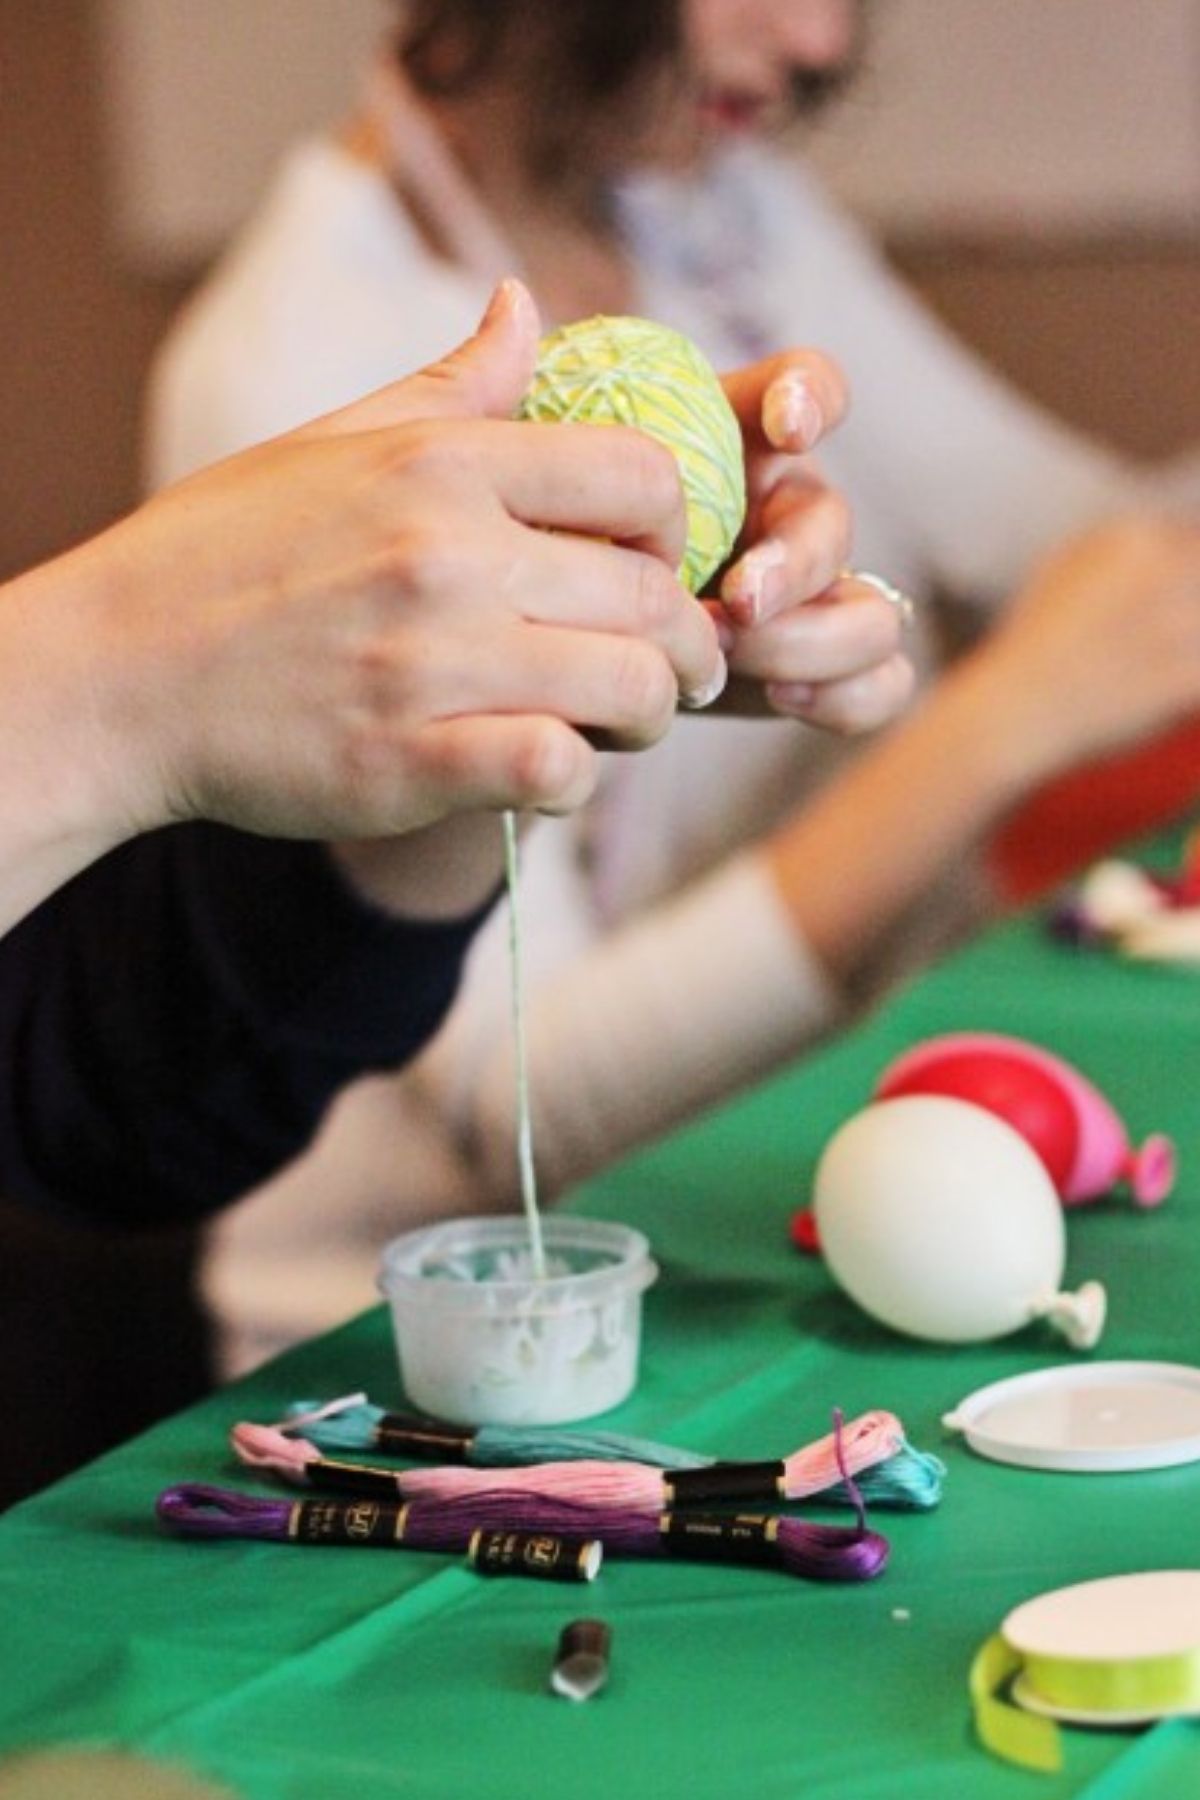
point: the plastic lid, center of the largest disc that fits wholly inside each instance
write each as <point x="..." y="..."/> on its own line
<point x="1088" y="1418"/>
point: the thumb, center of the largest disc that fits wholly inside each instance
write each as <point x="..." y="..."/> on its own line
<point x="486" y="377"/>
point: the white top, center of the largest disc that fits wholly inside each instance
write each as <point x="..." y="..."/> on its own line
<point x="662" y="970"/>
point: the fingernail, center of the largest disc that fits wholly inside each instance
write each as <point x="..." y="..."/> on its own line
<point x="791" y="415"/>
<point x="745" y="586"/>
<point x="499" y="303"/>
<point x="695" y="699"/>
<point x="791" y="696"/>
<point x="509" y="296"/>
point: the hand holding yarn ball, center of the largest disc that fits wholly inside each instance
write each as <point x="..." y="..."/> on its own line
<point x="627" y="371"/>
<point x="940" y="1221"/>
<point x="730" y="439"/>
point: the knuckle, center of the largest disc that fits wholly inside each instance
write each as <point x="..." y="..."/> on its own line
<point x="654" y="472"/>
<point x="883" y="694"/>
<point x="644" y="688"/>
<point x="431" y="562"/>
<point x="406" y="451"/>
<point x="864" y="702"/>
<point x="421" y="462"/>
<point x="441" y="760"/>
<point x="841" y="523"/>
<point x="544" y="763"/>
<point x="367" y="766"/>
<point x="656" y="597"/>
<point x="389" y="671"/>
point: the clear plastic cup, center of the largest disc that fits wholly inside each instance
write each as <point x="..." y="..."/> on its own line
<point x="483" y="1341"/>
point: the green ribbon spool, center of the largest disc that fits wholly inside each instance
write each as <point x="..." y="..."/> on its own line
<point x="1015" y="1690"/>
<point x="1019" y="1737"/>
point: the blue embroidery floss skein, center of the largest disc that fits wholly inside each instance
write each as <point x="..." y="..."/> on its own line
<point x="354" y="1424"/>
<point x="834" y="1463"/>
<point x="900" y="1478"/>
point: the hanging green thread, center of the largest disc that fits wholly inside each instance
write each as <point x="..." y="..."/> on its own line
<point x="529" y="1199"/>
<point x="623" y="371"/>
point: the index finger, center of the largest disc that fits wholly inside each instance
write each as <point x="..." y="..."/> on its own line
<point x="596" y="480"/>
<point x="788" y="401"/>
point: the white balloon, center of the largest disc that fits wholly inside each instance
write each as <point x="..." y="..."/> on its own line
<point x="939" y="1220"/>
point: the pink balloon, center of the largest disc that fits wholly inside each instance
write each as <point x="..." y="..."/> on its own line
<point x="1070" y="1124"/>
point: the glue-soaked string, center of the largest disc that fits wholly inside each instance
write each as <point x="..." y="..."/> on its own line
<point x="632" y="372"/>
<point x="524" y="1118"/>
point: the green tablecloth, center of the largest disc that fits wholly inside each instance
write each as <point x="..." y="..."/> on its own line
<point x="326" y="1675"/>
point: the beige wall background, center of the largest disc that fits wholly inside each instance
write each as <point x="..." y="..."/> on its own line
<point x="1034" y="168"/>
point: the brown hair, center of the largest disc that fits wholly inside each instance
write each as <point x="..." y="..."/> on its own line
<point x="586" y="54"/>
<point x="590" y="50"/>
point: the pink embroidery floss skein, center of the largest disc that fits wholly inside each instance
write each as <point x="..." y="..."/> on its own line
<point x="814" y="1552"/>
<point x="907" y="1480"/>
<point x="866" y="1441"/>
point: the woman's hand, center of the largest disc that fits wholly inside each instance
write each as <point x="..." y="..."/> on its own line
<point x="410" y="609"/>
<point x="407" y="609"/>
<point x="1100" y="647"/>
<point x="802" y="635"/>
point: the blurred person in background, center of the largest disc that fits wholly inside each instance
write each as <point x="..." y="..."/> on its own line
<point x="741" y="890"/>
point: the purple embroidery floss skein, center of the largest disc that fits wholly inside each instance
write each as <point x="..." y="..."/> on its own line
<point x="194" y="1509"/>
<point x="814" y="1552"/>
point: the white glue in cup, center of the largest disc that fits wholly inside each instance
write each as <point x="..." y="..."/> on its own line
<point x="483" y="1341"/>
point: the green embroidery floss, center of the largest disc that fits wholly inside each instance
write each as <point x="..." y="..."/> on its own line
<point x="529" y="1199"/>
<point x="626" y="371"/>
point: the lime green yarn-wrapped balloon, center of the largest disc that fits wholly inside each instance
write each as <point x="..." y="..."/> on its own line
<point x="619" y="371"/>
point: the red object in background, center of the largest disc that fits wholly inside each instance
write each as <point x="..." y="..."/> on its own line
<point x="1076" y="1132"/>
<point x="1084" y="815"/>
<point x="804" y="1231"/>
<point x="1022" y="1093"/>
<point x="1187" y="886"/>
<point x="1079" y="1138"/>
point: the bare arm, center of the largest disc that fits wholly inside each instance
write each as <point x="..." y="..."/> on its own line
<point x="362" y="628"/>
<point x="1101" y="647"/>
